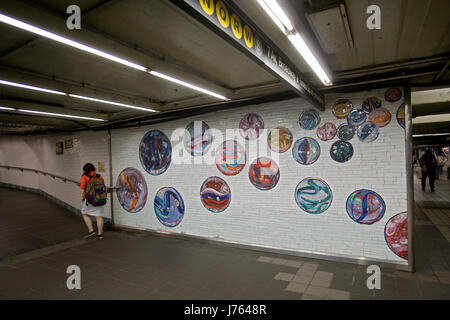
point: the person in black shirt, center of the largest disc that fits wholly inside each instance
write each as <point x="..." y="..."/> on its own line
<point x="428" y="164"/>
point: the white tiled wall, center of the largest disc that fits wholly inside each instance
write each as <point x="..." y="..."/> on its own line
<point x="39" y="152"/>
<point x="272" y="218"/>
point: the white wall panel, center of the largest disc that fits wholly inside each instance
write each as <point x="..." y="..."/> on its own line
<point x="272" y="218"/>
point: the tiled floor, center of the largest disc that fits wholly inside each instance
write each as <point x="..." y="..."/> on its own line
<point x="143" y="266"/>
<point x="28" y="221"/>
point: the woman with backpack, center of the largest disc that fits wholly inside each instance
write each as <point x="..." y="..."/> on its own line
<point x="93" y="199"/>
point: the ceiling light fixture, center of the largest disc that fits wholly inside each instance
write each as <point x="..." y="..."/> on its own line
<point x="25" y="86"/>
<point x="60" y="39"/>
<point x="6" y="108"/>
<point x="431" y="135"/>
<point x="166" y="77"/>
<point x="110" y="102"/>
<point x="277" y="14"/>
<point x="19" y="85"/>
<point x="52" y="36"/>
<point x="59" y="115"/>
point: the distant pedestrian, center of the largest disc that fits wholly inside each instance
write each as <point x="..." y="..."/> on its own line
<point x="440" y="162"/>
<point x="93" y="199"/>
<point x="428" y="165"/>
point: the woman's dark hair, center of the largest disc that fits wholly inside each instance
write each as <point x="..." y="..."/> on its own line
<point x="88" y="167"/>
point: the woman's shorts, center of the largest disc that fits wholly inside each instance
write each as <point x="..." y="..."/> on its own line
<point x="90" y="210"/>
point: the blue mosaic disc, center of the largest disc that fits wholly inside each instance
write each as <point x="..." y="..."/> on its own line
<point x="169" y="207"/>
<point x="306" y="151"/>
<point x="365" y="206"/>
<point x="309" y="119"/>
<point x="313" y="195"/>
<point x="155" y="152"/>
<point x="367" y="132"/>
<point x="341" y="151"/>
<point x="356" y="117"/>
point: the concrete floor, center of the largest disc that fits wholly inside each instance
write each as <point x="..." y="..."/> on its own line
<point x="143" y="266"/>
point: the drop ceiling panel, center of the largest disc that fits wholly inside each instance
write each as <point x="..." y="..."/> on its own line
<point x="329" y="28"/>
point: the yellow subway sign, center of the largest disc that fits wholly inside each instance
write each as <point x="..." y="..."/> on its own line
<point x="229" y="22"/>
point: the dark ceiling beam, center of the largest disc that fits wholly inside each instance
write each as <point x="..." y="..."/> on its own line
<point x="401" y="77"/>
<point x="190" y="112"/>
<point x="443" y="73"/>
<point x="49" y="107"/>
<point x="389" y="67"/>
<point x="28" y="119"/>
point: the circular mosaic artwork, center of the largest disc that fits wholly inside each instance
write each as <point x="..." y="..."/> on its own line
<point x="346" y="132"/>
<point x="169" y="207"/>
<point x="393" y="95"/>
<point x="215" y="194"/>
<point x="230" y="158"/>
<point x="264" y="173"/>
<point x="306" y="151"/>
<point x="313" y="195"/>
<point x="396" y="234"/>
<point x="326" y="131"/>
<point x="341" y="151"/>
<point x="367" y="132"/>
<point x="251" y="126"/>
<point x="309" y="119"/>
<point x="197" y="138"/>
<point x="380" y="116"/>
<point x="356" y="117"/>
<point x="370" y="104"/>
<point x="365" y="206"/>
<point x="131" y="190"/>
<point x="280" y="139"/>
<point x="342" y="108"/>
<point x="155" y="152"/>
<point x="401" y="115"/>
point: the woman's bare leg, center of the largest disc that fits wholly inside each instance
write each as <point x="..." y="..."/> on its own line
<point x="88" y="222"/>
<point x="99" y="225"/>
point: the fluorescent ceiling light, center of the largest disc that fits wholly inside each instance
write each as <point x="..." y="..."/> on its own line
<point x="60" y="115"/>
<point x="158" y="74"/>
<point x="6" y="108"/>
<point x="282" y="21"/>
<point x="20" y="85"/>
<point x="284" y="26"/>
<point x="302" y="47"/>
<point x="432" y="118"/>
<point x="15" y="84"/>
<point x="52" y="36"/>
<point x="110" y="102"/>
<point x="431" y="135"/>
